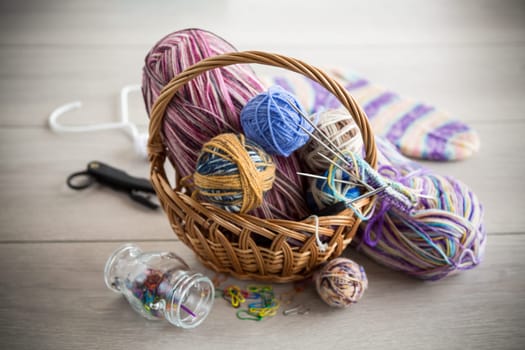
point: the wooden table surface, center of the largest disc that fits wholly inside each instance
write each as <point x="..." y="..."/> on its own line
<point x="466" y="57"/>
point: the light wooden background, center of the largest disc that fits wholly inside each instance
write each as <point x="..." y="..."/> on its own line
<point x="467" y="57"/>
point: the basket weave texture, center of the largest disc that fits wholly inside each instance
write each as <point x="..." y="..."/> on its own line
<point x="242" y="245"/>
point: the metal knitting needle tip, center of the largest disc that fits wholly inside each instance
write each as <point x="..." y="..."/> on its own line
<point x="325" y="178"/>
<point x="370" y="188"/>
<point x="334" y="150"/>
<point x="331" y="147"/>
<point x="368" y="194"/>
<point x="339" y="154"/>
<point x="319" y="131"/>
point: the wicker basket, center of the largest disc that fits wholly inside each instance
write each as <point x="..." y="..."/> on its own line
<point x="227" y="242"/>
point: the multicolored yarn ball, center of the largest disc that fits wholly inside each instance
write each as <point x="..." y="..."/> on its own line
<point x="343" y="132"/>
<point x="341" y="282"/>
<point x="233" y="173"/>
<point x="424" y="224"/>
<point x="209" y="105"/>
<point x="443" y="235"/>
<point x="272" y="122"/>
<point x="336" y="187"/>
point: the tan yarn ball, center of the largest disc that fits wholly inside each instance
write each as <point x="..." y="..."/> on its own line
<point x="341" y="282"/>
<point x="341" y="129"/>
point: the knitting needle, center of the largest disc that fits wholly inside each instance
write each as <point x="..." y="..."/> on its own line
<point x="342" y="205"/>
<point x="312" y="124"/>
<point x="336" y="151"/>
<point x="368" y="194"/>
<point x="325" y="178"/>
<point x="337" y="155"/>
<point x="370" y="188"/>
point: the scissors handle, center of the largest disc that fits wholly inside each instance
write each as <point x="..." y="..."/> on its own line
<point x="80" y="180"/>
<point x="137" y="188"/>
<point x="118" y="179"/>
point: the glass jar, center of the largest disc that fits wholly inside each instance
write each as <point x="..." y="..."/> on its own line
<point x="160" y="285"/>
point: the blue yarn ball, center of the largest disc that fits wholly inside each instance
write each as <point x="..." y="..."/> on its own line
<point x="269" y="120"/>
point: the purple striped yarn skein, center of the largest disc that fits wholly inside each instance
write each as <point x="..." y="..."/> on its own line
<point x="443" y="235"/>
<point x="210" y="105"/>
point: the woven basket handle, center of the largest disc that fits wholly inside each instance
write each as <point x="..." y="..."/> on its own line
<point x="156" y="149"/>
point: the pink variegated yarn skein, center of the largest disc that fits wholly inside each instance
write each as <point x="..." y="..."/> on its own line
<point x="209" y="105"/>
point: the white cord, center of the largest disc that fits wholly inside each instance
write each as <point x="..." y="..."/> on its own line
<point x="322" y="246"/>
<point x="140" y="140"/>
<point x="56" y="126"/>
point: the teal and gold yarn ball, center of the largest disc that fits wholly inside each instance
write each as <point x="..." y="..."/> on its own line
<point x="233" y="173"/>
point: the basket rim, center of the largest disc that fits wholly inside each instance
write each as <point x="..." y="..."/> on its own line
<point x="155" y="145"/>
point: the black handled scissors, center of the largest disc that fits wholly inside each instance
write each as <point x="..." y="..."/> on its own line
<point x="139" y="189"/>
